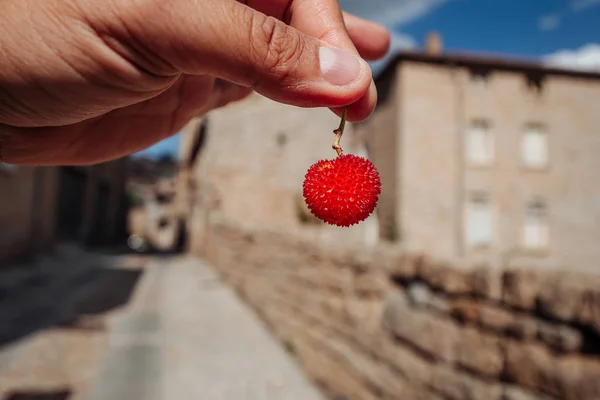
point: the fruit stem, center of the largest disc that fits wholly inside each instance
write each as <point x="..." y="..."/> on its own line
<point x="339" y="132"/>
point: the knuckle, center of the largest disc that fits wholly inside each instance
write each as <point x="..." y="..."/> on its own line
<point x="282" y="48"/>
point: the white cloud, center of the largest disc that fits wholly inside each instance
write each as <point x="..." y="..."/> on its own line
<point x="393" y="14"/>
<point x="549" y="22"/>
<point x="580" y="5"/>
<point x="586" y="58"/>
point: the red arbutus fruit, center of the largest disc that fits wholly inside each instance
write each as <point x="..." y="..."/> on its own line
<point x="343" y="191"/>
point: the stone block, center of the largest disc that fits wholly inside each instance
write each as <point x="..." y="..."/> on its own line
<point x="487" y="283"/>
<point x="480" y="352"/>
<point x="336" y="280"/>
<point x="404" y="360"/>
<point x="503" y="321"/>
<point x="455" y="280"/>
<point x="439" y="303"/>
<point x="520" y="288"/>
<point x="495" y="318"/>
<point x="330" y="371"/>
<point x="434" y="336"/>
<point x="419" y="294"/>
<point x="335" y="306"/>
<point x="561" y="297"/>
<point x="571" y="377"/>
<point x="365" y="312"/>
<point x="309" y="276"/>
<point x="529" y="365"/>
<point x="370" y="284"/>
<point x="578" y="378"/>
<point x="445" y="277"/>
<point x="523" y="327"/>
<point x="405" y="267"/>
<point x="560" y="337"/>
<point x="388" y="260"/>
<point x="424" y="268"/>
<point x="380" y="376"/>
<point x="373" y="372"/>
<point x="456" y="385"/>
<point x="573" y="297"/>
<point x="589" y="312"/>
<point x="517" y="393"/>
<point x="465" y="309"/>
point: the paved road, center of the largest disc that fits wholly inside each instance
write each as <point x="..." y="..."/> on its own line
<point x="187" y="336"/>
<point x="56" y="314"/>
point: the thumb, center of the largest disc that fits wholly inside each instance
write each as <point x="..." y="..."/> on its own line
<point x="234" y="42"/>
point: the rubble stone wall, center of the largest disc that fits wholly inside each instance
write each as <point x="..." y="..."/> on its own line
<point x="380" y="324"/>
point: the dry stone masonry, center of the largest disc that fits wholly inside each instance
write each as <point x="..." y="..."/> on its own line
<point x="381" y="324"/>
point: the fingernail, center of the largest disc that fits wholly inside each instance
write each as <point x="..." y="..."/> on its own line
<point x="338" y="67"/>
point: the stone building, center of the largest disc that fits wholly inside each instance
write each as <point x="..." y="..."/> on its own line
<point x="487" y="159"/>
<point x="42" y="205"/>
<point x="482" y="159"/>
<point x="246" y="162"/>
<point x="92" y="205"/>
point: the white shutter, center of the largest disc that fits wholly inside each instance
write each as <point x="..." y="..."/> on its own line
<point x="535" y="147"/>
<point x="536" y="229"/>
<point x="479" y="223"/>
<point x="480" y="143"/>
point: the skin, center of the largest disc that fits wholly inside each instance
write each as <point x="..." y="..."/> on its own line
<point x="87" y="81"/>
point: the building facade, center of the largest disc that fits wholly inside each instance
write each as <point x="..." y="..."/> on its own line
<point x="488" y="160"/>
<point x="92" y="205"/>
<point x="27" y="218"/>
<point x="42" y="205"/>
<point x="246" y="162"/>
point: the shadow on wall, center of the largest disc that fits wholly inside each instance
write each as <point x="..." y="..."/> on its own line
<point x="69" y="299"/>
<point x="50" y="395"/>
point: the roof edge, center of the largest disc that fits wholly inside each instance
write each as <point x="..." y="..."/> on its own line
<point x="481" y="60"/>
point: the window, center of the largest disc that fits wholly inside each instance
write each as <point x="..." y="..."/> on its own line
<point x="479" y="221"/>
<point x="535" y="147"/>
<point x="480" y="143"/>
<point x="536" y="229"/>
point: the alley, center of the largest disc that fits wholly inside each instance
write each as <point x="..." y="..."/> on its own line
<point x="180" y="335"/>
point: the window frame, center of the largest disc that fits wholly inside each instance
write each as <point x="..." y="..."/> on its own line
<point x="522" y="150"/>
<point x="486" y="126"/>
<point x="544" y="247"/>
<point x="472" y="199"/>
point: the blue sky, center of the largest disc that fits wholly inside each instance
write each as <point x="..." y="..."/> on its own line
<point x="519" y="27"/>
<point x="167" y="146"/>
<point x="564" y="32"/>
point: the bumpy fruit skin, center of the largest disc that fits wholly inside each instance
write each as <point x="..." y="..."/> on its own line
<point x="343" y="191"/>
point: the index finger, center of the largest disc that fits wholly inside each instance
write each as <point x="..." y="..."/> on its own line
<point x="324" y="20"/>
<point x="321" y="19"/>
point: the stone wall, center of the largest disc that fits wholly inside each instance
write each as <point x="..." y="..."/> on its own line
<point x="379" y="324"/>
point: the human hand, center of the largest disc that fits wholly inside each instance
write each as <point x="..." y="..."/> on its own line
<point x="83" y="81"/>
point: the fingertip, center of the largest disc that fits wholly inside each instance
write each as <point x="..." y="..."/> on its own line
<point x="362" y="109"/>
<point x="386" y="42"/>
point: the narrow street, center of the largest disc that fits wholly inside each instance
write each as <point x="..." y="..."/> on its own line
<point x="137" y="327"/>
